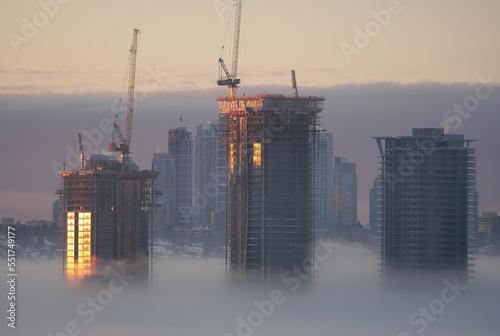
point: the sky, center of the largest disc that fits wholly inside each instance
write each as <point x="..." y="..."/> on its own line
<point x="383" y="66"/>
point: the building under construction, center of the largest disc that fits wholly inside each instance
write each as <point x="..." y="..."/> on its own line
<point x="106" y="208"/>
<point x="107" y="226"/>
<point x="270" y="160"/>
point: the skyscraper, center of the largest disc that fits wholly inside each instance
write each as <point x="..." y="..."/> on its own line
<point x="163" y="219"/>
<point x="220" y="213"/>
<point x="270" y="143"/>
<point x="323" y="171"/>
<point x="429" y="206"/>
<point x="106" y="214"/>
<point x="487" y="223"/>
<point x="57" y="212"/>
<point x="375" y="206"/>
<point x="345" y="195"/>
<point x="180" y="148"/>
<point x="205" y="173"/>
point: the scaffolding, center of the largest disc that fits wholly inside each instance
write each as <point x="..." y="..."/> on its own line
<point x="106" y="222"/>
<point x="271" y="155"/>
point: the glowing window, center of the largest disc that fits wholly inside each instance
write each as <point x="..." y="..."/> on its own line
<point x="257" y="154"/>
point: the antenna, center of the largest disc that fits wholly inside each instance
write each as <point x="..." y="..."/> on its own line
<point x="294" y="84"/>
<point x="80" y="150"/>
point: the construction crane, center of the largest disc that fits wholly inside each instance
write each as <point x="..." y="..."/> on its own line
<point x="294" y="85"/>
<point x="230" y="79"/>
<point x="124" y="145"/>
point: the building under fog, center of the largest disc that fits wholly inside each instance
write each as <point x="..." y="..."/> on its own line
<point x="323" y="179"/>
<point x="180" y="148"/>
<point x="428" y="194"/>
<point x="345" y="196"/>
<point x="163" y="218"/>
<point x="209" y="180"/>
<point x="106" y="214"/>
<point x="270" y="142"/>
<point x="375" y="206"/>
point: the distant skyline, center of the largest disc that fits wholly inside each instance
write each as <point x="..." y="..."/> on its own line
<point x="67" y="77"/>
<point x="39" y="130"/>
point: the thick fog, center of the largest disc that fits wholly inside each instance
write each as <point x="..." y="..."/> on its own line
<point x="189" y="297"/>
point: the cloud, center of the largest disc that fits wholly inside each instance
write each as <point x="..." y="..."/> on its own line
<point x="36" y="129"/>
<point x="189" y="298"/>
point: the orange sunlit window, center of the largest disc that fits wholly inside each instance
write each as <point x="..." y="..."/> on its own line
<point x="78" y="265"/>
<point x="231" y="158"/>
<point x="257" y="154"/>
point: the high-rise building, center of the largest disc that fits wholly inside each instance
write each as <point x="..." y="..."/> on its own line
<point x="270" y="142"/>
<point x="220" y="214"/>
<point x="345" y="195"/>
<point x="205" y="173"/>
<point x="210" y="178"/>
<point x="180" y="148"/>
<point x="323" y="172"/>
<point x="486" y="223"/>
<point x="429" y="203"/>
<point x="375" y="206"/>
<point x="106" y="213"/>
<point x="57" y="212"/>
<point x="163" y="218"/>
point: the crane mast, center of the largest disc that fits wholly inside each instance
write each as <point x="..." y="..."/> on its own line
<point x="124" y="145"/>
<point x="131" y="87"/>
<point x="230" y="80"/>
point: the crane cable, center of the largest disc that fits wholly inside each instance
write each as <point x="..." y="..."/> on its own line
<point x="227" y="30"/>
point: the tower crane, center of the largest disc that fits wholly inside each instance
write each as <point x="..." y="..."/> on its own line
<point x="124" y="145"/>
<point x="230" y="79"/>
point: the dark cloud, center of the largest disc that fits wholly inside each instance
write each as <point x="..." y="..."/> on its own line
<point x="36" y="129"/>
